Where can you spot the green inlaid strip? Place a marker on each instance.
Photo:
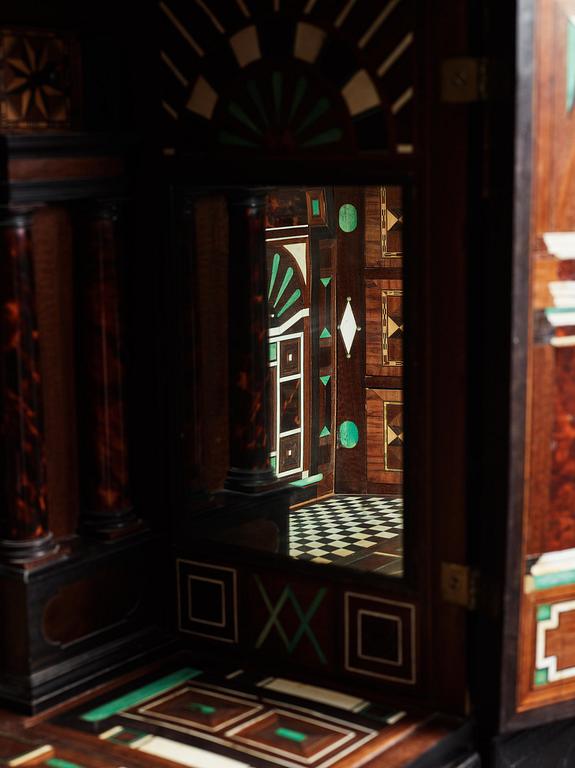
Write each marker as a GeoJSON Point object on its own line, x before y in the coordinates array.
{"type": "Point", "coordinates": [324, 379]}
{"type": "Point", "coordinates": [325, 334]}
{"type": "Point", "coordinates": [319, 109]}
{"type": "Point", "coordinates": [273, 462]}
{"type": "Point", "coordinates": [348, 434]}
{"type": "Point", "coordinates": [300, 90]}
{"type": "Point", "coordinates": [203, 709]}
{"type": "Point", "coordinates": [140, 694]}
{"type": "Point", "coordinates": [559, 310]}
{"type": "Point", "coordinates": [325, 432]}
{"type": "Point", "coordinates": [540, 677]}
{"type": "Point", "coordinates": [311, 480]}
{"type": "Point", "coordinates": [239, 113]}
{"type": "Point", "coordinates": [315, 210]}
{"type": "Point", "coordinates": [292, 300]}
{"type": "Point", "coordinates": [325, 280]}
{"type": "Point", "coordinates": [275, 267]}
{"type": "Point", "coordinates": [56, 762]}
{"type": "Point", "coordinates": [548, 580]}
{"type": "Point", "coordinates": [543, 612]}
{"type": "Point", "coordinates": [287, 733]}
{"type": "Point", "coordinates": [273, 351]}
{"type": "Point", "coordinates": [286, 281]}
{"type": "Point", "coordinates": [327, 137]}
{"type": "Point", "coordinates": [570, 64]}
{"type": "Point", "coordinates": [348, 217]}
{"type": "Point", "coordinates": [257, 99]}
{"type": "Point", "coordinates": [230, 138]}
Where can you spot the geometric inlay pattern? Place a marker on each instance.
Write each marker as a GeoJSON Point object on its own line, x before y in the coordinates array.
{"type": "Point", "coordinates": [554, 659]}
{"type": "Point", "coordinates": [380, 638]}
{"type": "Point", "coordinates": [34, 80]}
{"type": "Point", "coordinates": [393, 436]}
{"type": "Point", "coordinates": [392, 327]}
{"type": "Point", "coordinates": [348, 327]}
{"type": "Point", "coordinates": [344, 527]}
{"type": "Point", "coordinates": [207, 600]}
{"type": "Point", "coordinates": [274, 621]}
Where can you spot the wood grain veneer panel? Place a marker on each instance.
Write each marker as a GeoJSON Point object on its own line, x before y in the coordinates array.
{"type": "Point", "coordinates": [383, 327]}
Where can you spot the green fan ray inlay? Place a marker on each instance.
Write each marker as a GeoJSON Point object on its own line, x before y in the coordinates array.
{"type": "Point", "coordinates": [292, 300]}
{"type": "Point", "coordinates": [230, 138]}
{"type": "Point", "coordinates": [300, 89]}
{"type": "Point", "coordinates": [275, 267]}
{"type": "Point", "coordinates": [286, 281]}
{"type": "Point", "coordinates": [277, 86]}
{"type": "Point", "coordinates": [327, 137]}
{"type": "Point", "coordinates": [240, 115]}
{"type": "Point", "coordinates": [257, 99]}
{"type": "Point", "coordinates": [320, 108]}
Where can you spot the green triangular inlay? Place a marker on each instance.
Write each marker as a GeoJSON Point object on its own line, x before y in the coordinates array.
{"type": "Point", "coordinates": [325, 379]}
{"type": "Point", "coordinates": [325, 432]}
{"type": "Point", "coordinates": [325, 334]}
{"type": "Point", "coordinates": [326, 280]}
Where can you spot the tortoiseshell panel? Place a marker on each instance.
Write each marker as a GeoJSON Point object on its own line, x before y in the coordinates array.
{"type": "Point", "coordinates": [105, 485]}
{"type": "Point", "coordinates": [24, 508]}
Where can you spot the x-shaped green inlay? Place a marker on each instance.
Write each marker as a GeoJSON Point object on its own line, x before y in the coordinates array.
{"type": "Point", "coordinates": [305, 619]}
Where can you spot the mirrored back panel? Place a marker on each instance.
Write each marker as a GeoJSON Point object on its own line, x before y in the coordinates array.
{"type": "Point", "coordinates": [332, 288]}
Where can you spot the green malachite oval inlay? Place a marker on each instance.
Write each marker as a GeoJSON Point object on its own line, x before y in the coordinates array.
{"type": "Point", "coordinates": [348, 434]}
{"type": "Point", "coordinates": [348, 217]}
{"type": "Point", "coordinates": [287, 733]}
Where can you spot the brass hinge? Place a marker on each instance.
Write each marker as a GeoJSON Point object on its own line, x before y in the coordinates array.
{"type": "Point", "coordinates": [463, 80]}
{"type": "Point", "coordinates": [459, 585]}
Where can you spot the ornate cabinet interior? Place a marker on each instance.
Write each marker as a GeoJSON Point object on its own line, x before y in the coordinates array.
{"type": "Point", "coordinates": [276, 489]}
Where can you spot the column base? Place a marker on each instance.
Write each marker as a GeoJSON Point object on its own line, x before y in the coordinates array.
{"type": "Point", "coordinates": [24, 551]}
{"type": "Point", "coordinates": [251, 481]}
{"type": "Point", "coordinates": [111, 527]}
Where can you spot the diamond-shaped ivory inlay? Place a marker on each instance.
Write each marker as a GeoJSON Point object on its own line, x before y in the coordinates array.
{"type": "Point", "coordinates": [348, 327]}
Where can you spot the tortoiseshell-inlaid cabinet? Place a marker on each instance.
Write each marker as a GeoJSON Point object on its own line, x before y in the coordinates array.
{"type": "Point", "coordinates": [287, 441]}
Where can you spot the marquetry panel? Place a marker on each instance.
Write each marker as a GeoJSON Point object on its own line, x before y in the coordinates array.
{"type": "Point", "coordinates": [384, 327]}
{"type": "Point", "coordinates": [326, 365]}
{"type": "Point", "coordinates": [384, 410]}
{"type": "Point", "coordinates": [38, 79]}
{"type": "Point", "coordinates": [207, 600]}
{"type": "Point", "coordinates": [380, 638]}
{"type": "Point", "coordinates": [547, 656]}
{"type": "Point", "coordinates": [291, 618]}
{"type": "Point", "coordinates": [383, 226]}
{"type": "Point", "coordinates": [342, 77]}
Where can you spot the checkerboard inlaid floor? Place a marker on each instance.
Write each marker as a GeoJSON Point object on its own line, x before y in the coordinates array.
{"type": "Point", "coordinates": [346, 529]}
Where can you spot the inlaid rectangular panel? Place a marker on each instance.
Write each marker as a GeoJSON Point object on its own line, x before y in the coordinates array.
{"type": "Point", "coordinates": [384, 327]}
{"type": "Point", "coordinates": [290, 357]}
{"type": "Point", "coordinates": [380, 638]}
{"type": "Point", "coordinates": [547, 657]}
{"type": "Point", "coordinates": [383, 226]}
{"type": "Point", "coordinates": [289, 456]}
{"type": "Point", "coordinates": [207, 600]}
{"type": "Point", "coordinates": [38, 79]}
{"type": "Point", "coordinates": [316, 207]}
{"type": "Point", "coordinates": [290, 405]}
{"type": "Point", "coordinates": [384, 410]}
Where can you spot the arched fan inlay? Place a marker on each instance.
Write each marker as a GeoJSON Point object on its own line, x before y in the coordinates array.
{"type": "Point", "coordinates": [289, 77]}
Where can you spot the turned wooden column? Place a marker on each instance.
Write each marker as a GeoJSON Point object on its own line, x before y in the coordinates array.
{"type": "Point", "coordinates": [105, 487]}
{"type": "Point", "coordinates": [24, 533]}
{"type": "Point", "coordinates": [250, 469]}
